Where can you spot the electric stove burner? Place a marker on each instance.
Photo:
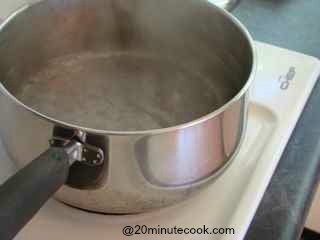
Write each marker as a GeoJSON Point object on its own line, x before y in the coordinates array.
{"type": "Point", "coordinates": [282, 86]}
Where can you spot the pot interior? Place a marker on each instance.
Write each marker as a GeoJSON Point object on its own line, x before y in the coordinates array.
{"type": "Point", "coordinates": [124, 65]}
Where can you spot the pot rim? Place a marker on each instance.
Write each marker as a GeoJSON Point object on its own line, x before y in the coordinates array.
{"type": "Point", "coordinates": [192, 123]}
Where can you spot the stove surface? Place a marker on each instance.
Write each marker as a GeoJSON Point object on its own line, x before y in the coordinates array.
{"type": "Point", "coordinates": [282, 86]}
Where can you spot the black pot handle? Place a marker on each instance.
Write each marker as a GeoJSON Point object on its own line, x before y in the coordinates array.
{"type": "Point", "coordinates": [22, 196]}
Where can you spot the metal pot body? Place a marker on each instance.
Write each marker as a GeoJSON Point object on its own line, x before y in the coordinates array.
{"type": "Point", "coordinates": [143, 170]}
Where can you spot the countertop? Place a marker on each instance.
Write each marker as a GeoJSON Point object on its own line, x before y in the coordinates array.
{"type": "Point", "coordinates": [292, 24]}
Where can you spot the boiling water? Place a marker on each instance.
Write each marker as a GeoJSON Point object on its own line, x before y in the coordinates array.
{"type": "Point", "coordinates": [121, 91]}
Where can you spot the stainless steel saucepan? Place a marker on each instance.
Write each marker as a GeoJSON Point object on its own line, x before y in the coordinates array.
{"type": "Point", "coordinates": [134, 104]}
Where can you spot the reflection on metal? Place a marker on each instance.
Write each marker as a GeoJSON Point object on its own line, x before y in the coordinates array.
{"type": "Point", "coordinates": [226, 4]}
{"type": "Point", "coordinates": [75, 144]}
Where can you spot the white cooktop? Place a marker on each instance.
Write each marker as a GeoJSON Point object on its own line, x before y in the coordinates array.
{"type": "Point", "coordinates": [282, 86]}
